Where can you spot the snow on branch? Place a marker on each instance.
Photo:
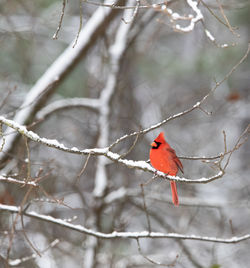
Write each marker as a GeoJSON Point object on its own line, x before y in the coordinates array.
{"type": "Point", "coordinates": [174, 16]}
{"type": "Point", "coordinates": [15, 181]}
{"type": "Point", "coordinates": [194, 19]}
{"type": "Point", "coordinates": [162, 7]}
{"type": "Point", "coordinates": [15, 262]}
{"type": "Point", "coordinates": [122, 235]}
{"type": "Point", "coordinates": [115, 6]}
{"type": "Point", "coordinates": [67, 103]}
{"type": "Point", "coordinates": [143, 165]}
{"type": "Point", "coordinates": [197, 105]}
{"type": "Point", "coordinates": [60, 68]}
{"type": "Point", "coordinates": [106, 151]}
{"type": "Point", "coordinates": [116, 52]}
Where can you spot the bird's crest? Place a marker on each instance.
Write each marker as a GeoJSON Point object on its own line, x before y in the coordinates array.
{"type": "Point", "coordinates": [160, 138]}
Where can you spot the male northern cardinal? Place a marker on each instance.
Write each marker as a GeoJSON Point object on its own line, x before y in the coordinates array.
{"type": "Point", "coordinates": [163, 158]}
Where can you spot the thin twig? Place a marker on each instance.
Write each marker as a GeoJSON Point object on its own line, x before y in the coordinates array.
{"type": "Point", "coordinates": [226, 19]}
{"type": "Point", "coordinates": [134, 13]}
{"type": "Point", "coordinates": [33, 256]}
{"type": "Point", "coordinates": [27, 239]}
{"type": "Point", "coordinates": [237, 145]}
{"type": "Point", "coordinates": [19, 212]}
{"type": "Point", "coordinates": [113, 6]}
{"type": "Point", "coordinates": [10, 91]}
{"type": "Point", "coordinates": [195, 106]}
{"type": "Point", "coordinates": [152, 261]}
{"type": "Point", "coordinates": [162, 221]}
{"type": "Point", "coordinates": [27, 160]}
{"type": "Point", "coordinates": [205, 111]}
{"type": "Point", "coordinates": [213, 14]}
{"type": "Point", "coordinates": [145, 209]}
{"type": "Point", "coordinates": [80, 24]}
{"type": "Point", "coordinates": [131, 148]}
{"type": "Point", "coordinates": [57, 201]}
{"type": "Point", "coordinates": [83, 168]}
{"type": "Point", "coordinates": [212, 38]}
{"type": "Point", "coordinates": [55, 36]}
{"type": "Point", "coordinates": [3, 138]}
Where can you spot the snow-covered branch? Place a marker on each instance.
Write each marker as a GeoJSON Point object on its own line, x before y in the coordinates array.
{"type": "Point", "coordinates": [116, 52]}
{"type": "Point", "coordinates": [194, 19]}
{"type": "Point", "coordinates": [143, 165]}
{"type": "Point", "coordinates": [15, 181]}
{"type": "Point", "coordinates": [197, 105]}
{"type": "Point", "coordinates": [45, 86]}
{"type": "Point", "coordinates": [122, 235]}
{"type": "Point", "coordinates": [68, 103]}
{"type": "Point", "coordinates": [15, 262]}
{"type": "Point", "coordinates": [122, 7]}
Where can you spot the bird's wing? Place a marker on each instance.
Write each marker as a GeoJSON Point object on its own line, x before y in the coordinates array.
{"type": "Point", "coordinates": [176, 159]}
{"type": "Point", "coordinates": [179, 164]}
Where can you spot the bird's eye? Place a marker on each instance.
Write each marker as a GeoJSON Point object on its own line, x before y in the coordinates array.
{"type": "Point", "coordinates": [157, 144]}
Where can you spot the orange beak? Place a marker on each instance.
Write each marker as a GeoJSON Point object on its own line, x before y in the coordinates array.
{"type": "Point", "coordinates": [153, 144]}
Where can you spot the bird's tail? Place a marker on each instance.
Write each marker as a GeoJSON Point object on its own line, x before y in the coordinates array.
{"type": "Point", "coordinates": [174, 193]}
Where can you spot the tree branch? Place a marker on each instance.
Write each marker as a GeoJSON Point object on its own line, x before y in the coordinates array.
{"type": "Point", "coordinates": [102, 151]}
{"type": "Point", "coordinates": [46, 85]}
{"type": "Point", "coordinates": [123, 235]}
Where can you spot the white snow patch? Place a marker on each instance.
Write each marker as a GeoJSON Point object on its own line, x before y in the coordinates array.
{"type": "Point", "coordinates": [209, 35]}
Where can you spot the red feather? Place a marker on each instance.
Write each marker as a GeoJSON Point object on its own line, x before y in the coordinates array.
{"type": "Point", "coordinates": [164, 158]}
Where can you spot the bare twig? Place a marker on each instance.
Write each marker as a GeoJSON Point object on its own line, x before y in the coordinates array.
{"type": "Point", "coordinates": [33, 256]}
{"type": "Point", "coordinates": [83, 168]}
{"type": "Point", "coordinates": [213, 14]}
{"type": "Point", "coordinates": [3, 138]}
{"type": "Point", "coordinates": [226, 19]}
{"type": "Point", "coordinates": [134, 13]}
{"type": "Point", "coordinates": [205, 111]}
{"type": "Point", "coordinates": [145, 208]}
{"type": "Point", "coordinates": [162, 221]}
{"type": "Point", "coordinates": [55, 36]}
{"type": "Point", "coordinates": [57, 201]}
{"type": "Point", "coordinates": [212, 39]}
{"type": "Point", "coordinates": [238, 144]}
{"type": "Point", "coordinates": [80, 23]}
{"type": "Point", "coordinates": [19, 212]}
{"type": "Point", "coordinates": [225, 141]}
{"type": "Point", "coordinates": [10, 91]}
{"type": "Point", "coordinates": [27, 160]}
{"type": "Point", "coordinates": [131, 148]}
{"type": "Point", "coordinates": [27, 238]}
{"type": "Point", "coordinates": [114, 6]}
{"type": "Point", "coordinates": [153, 261]}
{"type": "Point", "coordinates": [195, 106]}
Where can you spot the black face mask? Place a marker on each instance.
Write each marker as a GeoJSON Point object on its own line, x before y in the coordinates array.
{"type": "Point", "coordinates": [157, 145]}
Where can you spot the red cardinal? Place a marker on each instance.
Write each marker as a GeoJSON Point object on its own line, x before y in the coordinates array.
{"type": "Point", "coordinates": [163, 158]}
